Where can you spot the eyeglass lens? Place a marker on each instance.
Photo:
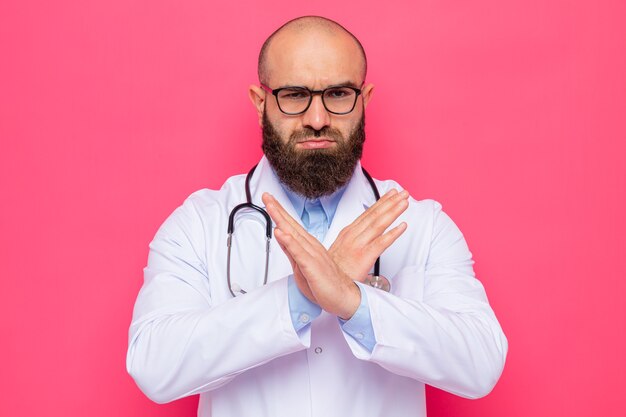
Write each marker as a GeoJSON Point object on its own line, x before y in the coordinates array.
{"type": "Point", "coordinates": [335, 99]}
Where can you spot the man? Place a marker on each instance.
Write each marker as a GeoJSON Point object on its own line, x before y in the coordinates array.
{"type": "Point", "coordinates": [317, 339]}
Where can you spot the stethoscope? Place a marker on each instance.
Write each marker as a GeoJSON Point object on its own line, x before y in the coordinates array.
{"type": "Point", "coordinates": [375, 280]}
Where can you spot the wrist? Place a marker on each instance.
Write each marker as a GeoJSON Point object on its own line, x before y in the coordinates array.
{"type": "Point", "coordinates": [352, 302]}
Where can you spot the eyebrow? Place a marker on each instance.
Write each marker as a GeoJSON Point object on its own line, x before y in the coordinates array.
{"type": "Point", "coordinates": [341, 84]}
{"type": "Point", "coordinates": [347, 84]}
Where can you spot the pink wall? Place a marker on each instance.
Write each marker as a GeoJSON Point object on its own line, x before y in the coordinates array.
{"type": "Point", "coordinates": [510, 113]}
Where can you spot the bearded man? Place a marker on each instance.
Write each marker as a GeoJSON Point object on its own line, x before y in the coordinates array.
{"type": "Point", "coordinates": [305, 323]}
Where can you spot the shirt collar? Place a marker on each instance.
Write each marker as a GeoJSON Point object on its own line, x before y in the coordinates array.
{"type": "Point", "coordinates": [329, 202]}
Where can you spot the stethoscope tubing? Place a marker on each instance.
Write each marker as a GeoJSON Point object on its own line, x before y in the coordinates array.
{"type": "Point", "coordinates": [268, 229]}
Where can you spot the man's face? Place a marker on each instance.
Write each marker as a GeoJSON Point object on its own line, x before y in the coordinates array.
{"type": "Point", "coordinates": [313, 172]}
{"type": "Point", "coordinates": [313, 153]}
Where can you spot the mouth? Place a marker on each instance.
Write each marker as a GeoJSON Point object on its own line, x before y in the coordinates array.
{"type": "Point", "coordinates": [316, 143]}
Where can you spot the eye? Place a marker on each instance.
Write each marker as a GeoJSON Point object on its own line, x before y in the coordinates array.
{"type": "Point", "coordinates": [339, 93]}
{"type": "Point", "coordinates": [293, 94]}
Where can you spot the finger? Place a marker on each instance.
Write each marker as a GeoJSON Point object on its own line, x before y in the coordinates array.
{"type": "Point", "coordinates": [376, 226]}
{"type": "Point", "coordinates": [354, 230]}
{"type": "Point", "coordinates": [379, 218]}
{"type": "Point", "coordinates": [286, 252]}
{"type": "Point", "coordinates": [280, 216]}
{"type": "Point", "coordinates": [293, 263]}
{"type": "Point", "coordinates": [284, 220]}
{"type": "Point", "coordinates": [303, 285]}
{"type": "Point", "coordinates": [380, 244]}
{"type": "Point", "coordinates": [389, 194]}
{"type": "Point", "coordinates": [387, 201]}
{"type": "Point", "coordinates": [299, 278]}
{"type": "Point", "coordinates": [293, 248]}
{"type": "Point", "coordinates": [313, 267]}
{"type": "Point", "coordinates": [271, 202]}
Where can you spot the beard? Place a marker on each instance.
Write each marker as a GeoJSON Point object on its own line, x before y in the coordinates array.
{"type": "Point", "coordinates": [313, 173]}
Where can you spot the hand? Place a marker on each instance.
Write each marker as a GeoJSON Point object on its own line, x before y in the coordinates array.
{"type": "Point", "coordinates": [303, 286]}
{"type": "Point", "coordinates": [359, 244]}
{"type": "Point", "coordinates": [301, 282]}
{"type": "Point", "coordinates": [326, 284]}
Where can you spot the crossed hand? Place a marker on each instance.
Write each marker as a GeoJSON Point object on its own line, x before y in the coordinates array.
{"type": "Point", "coordinates": [326, 277]}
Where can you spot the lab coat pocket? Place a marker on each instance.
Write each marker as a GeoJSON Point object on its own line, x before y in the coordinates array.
{"type": "Point", "coordinates": [409, 283]}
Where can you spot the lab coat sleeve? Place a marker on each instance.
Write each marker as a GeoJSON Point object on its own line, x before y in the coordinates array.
{"type": "Point", "coordinates": [301, 309]}
{"type": "Point", "coordinates": [179, 342]}
{"type": "Point", "coordinates": [437, 326]}
{"type": "Point", "coordinates": [360, 324]}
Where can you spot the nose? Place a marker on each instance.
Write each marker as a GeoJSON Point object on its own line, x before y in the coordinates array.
{"type": "Point", "coordinates": [316, 117]}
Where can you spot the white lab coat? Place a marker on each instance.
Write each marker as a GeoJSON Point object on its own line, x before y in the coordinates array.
{"type": "Point", "coordinates": [189, 335]}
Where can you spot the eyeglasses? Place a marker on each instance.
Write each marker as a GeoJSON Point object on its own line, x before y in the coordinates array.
{"type": "Point", "coordinates": [297, 100]}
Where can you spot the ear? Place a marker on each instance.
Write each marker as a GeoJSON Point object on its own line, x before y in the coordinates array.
{"type": "Point", "coordinates": [367, 91]}
{"type": "Point", "coordinates": [257, 97]}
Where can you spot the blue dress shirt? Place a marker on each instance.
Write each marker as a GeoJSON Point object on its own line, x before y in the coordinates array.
{"type": "Point", "coordinates": [316, 216]}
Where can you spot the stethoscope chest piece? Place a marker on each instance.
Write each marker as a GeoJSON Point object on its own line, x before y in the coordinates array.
{"type": "Point", "coordinates": [379, 282]}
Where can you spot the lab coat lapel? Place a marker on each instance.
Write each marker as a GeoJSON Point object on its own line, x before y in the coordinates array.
{"type": "Point", "coordinates": [357, 198]}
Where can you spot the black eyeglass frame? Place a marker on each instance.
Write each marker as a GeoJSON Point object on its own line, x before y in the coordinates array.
{"type": "Point", "coordinates": [312, 93]}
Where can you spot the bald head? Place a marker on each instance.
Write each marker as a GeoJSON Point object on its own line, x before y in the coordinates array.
{"type": "Point", "coordinates": [308, 28]}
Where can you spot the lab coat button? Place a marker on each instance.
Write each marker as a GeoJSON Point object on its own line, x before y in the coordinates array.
{"type": "Point", "coordinates": [304, 318]}
{"type": "Point", "coordinates": [318, 350]}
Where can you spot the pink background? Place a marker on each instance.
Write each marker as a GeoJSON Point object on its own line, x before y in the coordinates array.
{"type": "Point", "coordinates": [510, 113]}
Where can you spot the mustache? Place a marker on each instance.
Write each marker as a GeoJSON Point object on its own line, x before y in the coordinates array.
{"type": "Point", "coordinates": [310, 133]}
